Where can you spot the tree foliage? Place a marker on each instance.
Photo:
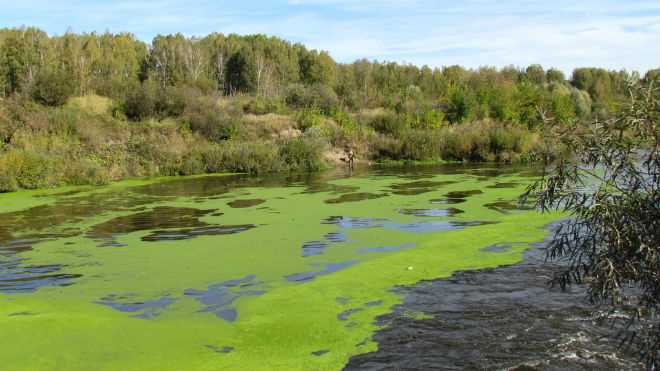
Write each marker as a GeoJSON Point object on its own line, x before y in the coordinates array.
{"type": "Point", "coordinates": [609, 184]}
{"type": "Point", "coordinates": [113, 64]}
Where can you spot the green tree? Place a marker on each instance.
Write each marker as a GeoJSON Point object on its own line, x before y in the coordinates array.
{"type": "Point", "coordinates": [461, 106]}
{"type": "Point", "coordinates": [317, 68]}
{"type": "Point", "coordinates": [239, 76]}
{"type": "Point", "coordinates": [555, 75]}
{"type": "Point", "coordinates": [53, 87]}
{"type": "Point", "coordinates": [535, 74]}
{"type": "Point", "coordinates": [608, 183]}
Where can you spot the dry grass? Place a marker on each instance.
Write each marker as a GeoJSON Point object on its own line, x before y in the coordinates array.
{"type": "Point", "coordinates": [92, 104]}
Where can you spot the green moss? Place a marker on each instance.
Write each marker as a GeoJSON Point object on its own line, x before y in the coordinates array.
{"type": "Point", "coordinates": [282, 325]}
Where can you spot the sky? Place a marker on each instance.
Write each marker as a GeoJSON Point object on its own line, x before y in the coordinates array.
{"type": "Point", "coordinates": [564, 34]}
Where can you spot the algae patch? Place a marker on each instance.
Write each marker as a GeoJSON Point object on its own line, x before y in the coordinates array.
{"type": "Point", "coordinates": [173, 275]}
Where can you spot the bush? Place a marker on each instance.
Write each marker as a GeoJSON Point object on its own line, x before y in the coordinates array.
{"type": "Point", "coordinates": [52, 87]}
{"type": "Point", "coordinates": [421, 145]}
{"type": "Point", "coordinates": [29, 170]}
{"type": "Point", "coordinates": [91, 103]}
{"type": "Point", "coordinates": [388, 122]}
{"type": "Point", "coordinates": [386, 148]}
{"type": "Point", "coordinates": [296, 96]}
{"type": "Point", "coordinates": [193, 163]}
{"type": "Point", "coordinates": [8, 183]}
{"type": "Point", "coordinates": [7, 126]}
{"type": "Point", "coordinates": [304, 154]}
{"type": "Point", "coordinates": [317, 96]}
{"type": "Point", "coordinates": [205, 117]}
{"type": "Point", "coordinates": [86, 171]}
{"type": "Point", "coordinates": [263, 106]}
{"type": "Point", "coordinates": [308, 118]}
{"type": "Point", "coordinates": [172, 101]}
{"type": "Point", "coordinates": [139, 102]}
{"type": "Point", "coordinates": [243, 157]}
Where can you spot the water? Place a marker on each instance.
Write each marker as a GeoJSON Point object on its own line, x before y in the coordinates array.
{"type": "Point", "coordinates": [238, 272]}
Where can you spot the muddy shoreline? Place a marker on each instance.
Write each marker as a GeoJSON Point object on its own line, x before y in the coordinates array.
{"type": "Point", "coordinates": [507, 318]}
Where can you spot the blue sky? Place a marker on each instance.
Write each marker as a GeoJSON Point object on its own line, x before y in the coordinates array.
{"type": "Point", "coordinates": [622, 34]}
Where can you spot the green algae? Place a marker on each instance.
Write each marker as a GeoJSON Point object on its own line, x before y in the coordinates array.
{"type": "Point", "coordinates": [270, 322]}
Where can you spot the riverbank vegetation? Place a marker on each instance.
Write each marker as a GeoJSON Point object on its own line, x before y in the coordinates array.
{"type": "Point", "coordinates": [609, 183]}
{"type": "Point", "coordinates": [92, 108]}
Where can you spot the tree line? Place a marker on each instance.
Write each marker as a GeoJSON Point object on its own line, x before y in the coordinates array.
{"type": "Point", "coordinates": [50, 70]}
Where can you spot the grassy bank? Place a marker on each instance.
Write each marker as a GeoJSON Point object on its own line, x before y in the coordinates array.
{"type": "Point", "coordinates": [92, 108]}
{"type": "Point", "coordinates": [89, 140]}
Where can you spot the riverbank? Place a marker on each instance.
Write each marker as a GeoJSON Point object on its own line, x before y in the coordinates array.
{"type": "Point", "coordinates": [505, 318]}
{"type": "Point", "coordinates": [88, 142]}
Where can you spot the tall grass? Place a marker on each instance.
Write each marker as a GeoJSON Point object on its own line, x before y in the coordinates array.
{"type": "Point", "coordinates": [86, 142]}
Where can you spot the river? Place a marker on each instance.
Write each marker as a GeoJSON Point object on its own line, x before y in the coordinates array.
{"type": "Point", "coordinates": [232, 272]}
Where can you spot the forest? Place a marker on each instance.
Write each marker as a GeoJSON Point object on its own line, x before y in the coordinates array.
{"type": "Point", "coordinates": [96, 107]}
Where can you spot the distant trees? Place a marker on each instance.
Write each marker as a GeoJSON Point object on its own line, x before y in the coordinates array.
{"type": "Point", "coordinates": [50, 69]}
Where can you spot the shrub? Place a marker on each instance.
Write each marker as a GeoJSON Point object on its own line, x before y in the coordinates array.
{"type": "Point", "coordinates": [243, 157]}
{"type": "Point", "coordinates": [296, 96]}
{"type": "Point", "coordinates": [139, 101]}
{"type": "Point", "coordinates": [316, 96]}
{"type": "Point", "coordinates": [86, 171]}
{"type": "Point", "coordinates": [7, 126]}
{"type": "Point", "coordinates": [388, 122]}
{"type": "Point", "coordinates": [263, 106]}
{"type": "Point", "coordinates": [386, 148]}
{"type": "Point", "coordinates": [420, 145]}
{"type": "Point", "coordinates": [8, 183]}
{"type": "Point", "coordinates": [205, 116]}
{"type": "Point", "coordinates": [172, 101]}
{"type": "Point", "coordinates": [52, 87]}
{"type": "Point", "coordinates": [308, 117]}
{"type": "Point", "coordinates": [193, 163]}
{"type": "Point", "coordinates": [323, 97]}
{"type": "Point", "coordinates": [304, 154]}
{"type": "Point", "coordinates": [30, 170]}
{"type": "Point", "coordinates": [91, 103]}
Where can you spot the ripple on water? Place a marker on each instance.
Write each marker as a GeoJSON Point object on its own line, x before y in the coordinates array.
{"type": "Point", "coordinates": [15, 278]}
{"type": "Point", "coordinates": [18, 277]}
{"type": "Point", "coordinates": [431, 212]}
{"type": "Point", "coordinates": [447, 201]}
{"type": "Point", "coordinates": [424, 226]}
